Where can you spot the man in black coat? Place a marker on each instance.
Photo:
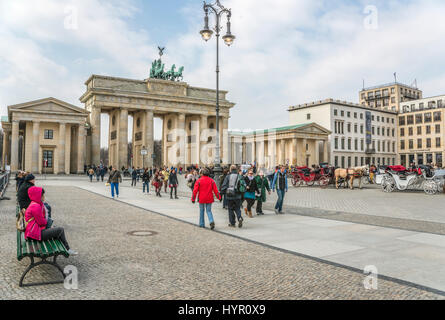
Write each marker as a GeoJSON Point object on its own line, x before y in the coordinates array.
{"type": "Point", "coordinates": [22, 194]}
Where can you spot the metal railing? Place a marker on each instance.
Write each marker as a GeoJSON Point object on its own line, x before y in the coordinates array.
{"type": "Point", "coordinates": [4, 181]}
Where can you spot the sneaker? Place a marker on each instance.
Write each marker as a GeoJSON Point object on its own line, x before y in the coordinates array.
{"type": "Point", "coordinates": [240, 223]}
{"type": "Point", "coordinates": [231, 225]}
{"type": "Point", "coordinates": [276, 211]}
{"type": "Point", "coordinates": [281, 212]}
{"type": "Point", "coordinates": [72, 252]}
{"type": "Point", "coordinates": [212, 225]}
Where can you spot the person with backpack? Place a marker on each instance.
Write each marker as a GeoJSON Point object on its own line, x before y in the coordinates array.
{"type": "Point", "coordinates": [280, 184]}
{"type": "Point", "coordinates": [234, 186]}
{"type": "Point", "coordinates": [114, 179]}
{"type": "Point", "coordinates": [91, 174]}
{"type": "Point", "coordinates": [204, 189]}
{"type": "Point", "coordinates": [22, 195]}
{"type": "Point", "coordinates": [263, 185]}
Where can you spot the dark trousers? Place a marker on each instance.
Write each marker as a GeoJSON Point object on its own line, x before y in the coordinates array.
{"type": "Point", "coordinates": [171, 192]}
{"type": "Point", "coordinates": [234, 206]}
{"type": "Point", "coordinates": [259, 206]}
{"type": "Point", "coordinates": [250, 203]}
{"type": "Point", "coordinates": [133, 182]}
{"type": "Point", "coordinates": [55, 233]}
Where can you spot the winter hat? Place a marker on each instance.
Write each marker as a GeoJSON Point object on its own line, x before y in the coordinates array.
{"type": "Point", "coordinates": [30, 177]}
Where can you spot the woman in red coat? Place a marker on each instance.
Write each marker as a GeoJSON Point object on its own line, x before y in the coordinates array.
{"type": "Point", "coordinates": [204, 189]}
{"type": "Point", "coordinates": [35, 217]}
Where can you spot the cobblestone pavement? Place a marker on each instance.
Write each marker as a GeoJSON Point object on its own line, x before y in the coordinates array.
{"type": "Point", "coordinates": [180, 262]}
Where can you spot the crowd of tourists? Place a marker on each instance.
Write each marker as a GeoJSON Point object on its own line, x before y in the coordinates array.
{"type": "Point", "coordinates": [35, 214]}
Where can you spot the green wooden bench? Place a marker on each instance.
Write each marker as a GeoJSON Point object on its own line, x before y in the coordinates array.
{"type": "Point", "coordinates": [43, 250]}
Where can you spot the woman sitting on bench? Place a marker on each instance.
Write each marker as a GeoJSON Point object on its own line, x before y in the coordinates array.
{"type": "Point", "coordinates": [36, 224]}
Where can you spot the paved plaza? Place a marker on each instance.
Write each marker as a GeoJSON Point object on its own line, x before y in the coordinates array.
{"type": "Point", "coordinates": [293, 256]}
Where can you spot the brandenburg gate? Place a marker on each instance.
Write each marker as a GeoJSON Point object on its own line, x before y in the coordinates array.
{"type": "Point", "coordinates": [188, 113]}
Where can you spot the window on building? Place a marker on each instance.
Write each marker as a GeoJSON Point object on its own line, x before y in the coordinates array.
{"type": "Point", "coordinates": [428, 142]}
{"type": "Point", "coordinates": [349, 144]}
{"type": "Point", "coordinates": [383, 146]}
{"type": "Point", "coordinates": [402, 144]}
{"type": "Point", "coordinates": [438, 143]}
{"type": "Point", "coordinates": [419, 143]}
{"type": "Point", "coordinates": [428, 129]}
{"type": "Point", "coordinates": [437, 128]}
{"type": "Point", "coordinates": [378, 131]}
{"type": "Point", "coordinates": [402, 132]}
{"type": "Point", "coordinates": [427, 117]}
{"type": "Point", "coordinates": [410, 120]}
{"type": "Point", "coordinates": [349, 162]}
{"type": "Point", "coordinates": [419, 130]}
{"type": "Point", "coordinates": [421, 106]}
{"type": "Point", "coordinates": [342, 113]}
{"type": "Point", "coordinates": [308, 116]}
{"type": "Point", "coordinates": [439, 103]}
{"type": "Point", "coordinates": [362, 145]}
{"type": "Point", "coordinates": [336, 161]}
{"type": "Point", "coordinates": [410, 131]}
{"type": "Point", "coordinates": [393, 147]}
{"type": "Point", "coordinates": [355, 115]}
{"type": "Point", "coordinates": [349, 128]}
{"type": "Point", "coordinates": [355, 128]}
{"type": "Point", "coordinates": [393, 90]}
{"type": "Point", "coordinates": [356, 144]}
{"type": "Point", "coordinates": [336, 143]}
{"type": "Point", "coordinates": [373, 130]}
{"type": "Point", "coordinates": [49, 134]}
{"type": "Point", "coordinates": [378, 118]}
{"type": "Point", "coordinates": [361, 116]}
{"type": "Point", "coordinates": [378, 146]}
{"type": "Point", "coordinates": [349, 114]}
{"type": "Point", "coordinates": [343, 144]}
{"type": "Point", "coordinates": [419, 118]}
{"type": "Point", "coordinates": [402, 121]}
{"type": "Point", "coordinates": [393, 132]}
{"type": "Point", "coordinates": [361, 129]}
{"type": "Point", "coordinates": [335, 112]}
{"type": "Point", "coordinates": [411, 144]}
{"type": "Point", "coordinates": [437, 116]}
{"type": "Point", "coordinates": [356, 161]}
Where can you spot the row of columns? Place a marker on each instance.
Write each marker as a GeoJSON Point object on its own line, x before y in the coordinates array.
{"type": "Point", "coordinates": [279, 156]}
{"type": "Point", "coordinates": [35, 147]}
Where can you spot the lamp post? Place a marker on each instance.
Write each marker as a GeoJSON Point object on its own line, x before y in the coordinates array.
{"type": "Point", "coordinates": [219, 11]}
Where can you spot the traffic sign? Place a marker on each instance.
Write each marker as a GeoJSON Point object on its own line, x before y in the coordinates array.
{"type": "Point", "coordinates": [144, 152]}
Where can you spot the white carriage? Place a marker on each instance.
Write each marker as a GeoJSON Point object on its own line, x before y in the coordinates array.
{"type": "Point", "coordinates": [421, 179]}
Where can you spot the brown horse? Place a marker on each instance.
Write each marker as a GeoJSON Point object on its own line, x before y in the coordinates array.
{"type": "Point", "coordinates": [350, 174]}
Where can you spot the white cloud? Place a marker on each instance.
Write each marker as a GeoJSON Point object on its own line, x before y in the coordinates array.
{"type": "Point", "coordinates": [286, 52]}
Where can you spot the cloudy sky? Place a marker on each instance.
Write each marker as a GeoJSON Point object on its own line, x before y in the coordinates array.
{"type": "Point", "coordinates": [286, 52]}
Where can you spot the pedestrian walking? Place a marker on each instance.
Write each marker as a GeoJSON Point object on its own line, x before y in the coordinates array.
{"type": "Point", "coordinates": [280, 184]}
{"type": "Point", "coordinates": [204, 189]}
{"type": "Point", "coordinates": [165, 175]}
{"type": "Point", "coordinates": [234, 187]}
{"type": "Point", "coordinates": [134, 176]}
{"type": "Point", "coordinates": [91, 174]}
{"type": "Point", "coordinates": [251, 192]}
{"type": "Point", "coordinates": [146, 181]}
{"type": "Point", "coordinates": [173, 183]}
{"type": "Point", "coordinates": [114, 179]}
{"type": "Point", "coordinates": [263, 185]}
{"type": "Point", "coordinates": [157, 183]}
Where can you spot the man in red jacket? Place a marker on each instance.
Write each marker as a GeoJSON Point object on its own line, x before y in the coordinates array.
{"type": "Point", "coordinates": [204, 189]}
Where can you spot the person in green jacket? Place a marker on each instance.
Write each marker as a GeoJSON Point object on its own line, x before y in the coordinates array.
{"type": "Point", "coordinates": [263, 185]}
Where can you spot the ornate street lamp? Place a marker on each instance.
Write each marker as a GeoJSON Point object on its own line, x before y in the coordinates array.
{"type": "Point", "coordinates": [219, 10]}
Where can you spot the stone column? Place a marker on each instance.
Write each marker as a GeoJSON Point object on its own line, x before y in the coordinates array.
{"type": "Point", "coordinates": [5, 149]}
{"type": "Point", "coordinates": [317, 152]}
{"type": "Point", "coordinates": [95, 135]}
{"type": "Point", "coordinates": [304, 152]}
{"type": "Point", "coordinates": [15, 146]}
{"type": "Point", "coordinates": [164, 141]}
{"type": "Point", "coordinates": [225, 143]}
{"type": "Point", "coordinates": [253, 150]}
{"type": "Point", "coordinates": [325, 151]}
{"type": "Point", "coordinates": [182, 140]}
{"type": "Point", "coordinates": [149, 140]}
{"type": "Point", "coordinates": [81, 148]}
{"type": "Point", "coordinates": [61, 148]}
{"type": "Point", "coordinates": [35, 146]}
{"type": "Point", "coordinates": [261, 153]}
{"type": "Point", "coordinates": [123, 139]}
{"type": "Point", "coordinates": [294, 151]}
{"type": "Point", "coordinates": [282, 152]}
{"type": "Point", "coordinates": [203, 125]}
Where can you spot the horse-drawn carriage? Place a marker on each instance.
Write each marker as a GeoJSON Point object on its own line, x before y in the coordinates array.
{"type": "Point", "coordinates": [307, 176]}
{"type": "Point", "coordinates": [421, 178]}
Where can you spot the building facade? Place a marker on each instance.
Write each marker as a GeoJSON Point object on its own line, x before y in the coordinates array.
{"type": "Point", "coordinates": [388, 96]}
{"type": "Point", "coordinates": [360, 135]}
{"type": "Point", "coordinates": [52, 136]}
{"type": "Point", "coordinates": [422, 131]}
{"type": "Point", "coordinates": [298, 145]}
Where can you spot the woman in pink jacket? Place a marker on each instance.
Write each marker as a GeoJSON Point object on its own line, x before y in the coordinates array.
{"type": "Point", "coordinates": [36, 221]}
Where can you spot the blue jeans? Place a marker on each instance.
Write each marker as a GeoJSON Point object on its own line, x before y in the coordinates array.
{"type": "Point", "coordinates": [205, 207]}
{"type": "Point", "coordinates": [146, 184]}
{"type": "Point", "coordinates": [114, 186]}
{"type": "Point", "coordinates": [279, 204]}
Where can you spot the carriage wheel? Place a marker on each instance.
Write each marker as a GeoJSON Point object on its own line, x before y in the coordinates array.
{"type": "Point", "coordinates": [388, 185]}
{"type": "Point", "coordinates": [323, 182]}
{"type": "Point", "coordinates": [296, 181]}
{"type": "Point", "coordinates": [430, 187]}
{"type": "Point", "coordinates": [310, 183]}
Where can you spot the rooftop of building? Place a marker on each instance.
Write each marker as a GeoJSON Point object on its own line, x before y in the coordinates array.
{"type": "Point", "coordinates": [386, 85]}
{"type": "Point", "coordinates": [337, 102]}
{"type": "Point", "coordinates": [293, 127]}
